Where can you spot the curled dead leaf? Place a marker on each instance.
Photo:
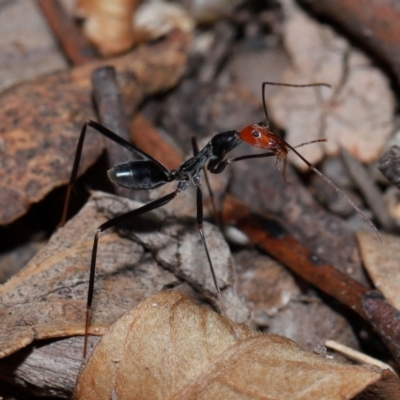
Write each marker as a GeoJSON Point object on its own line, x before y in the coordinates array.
{"type": "Point", "coordinates": [114, 27]}
{"type": "Point", "coordinates": [357, 113]}
{"type": "Point", "coordinates": [169, 348]}
{"type": "Point", "coordinates": [158, 18]}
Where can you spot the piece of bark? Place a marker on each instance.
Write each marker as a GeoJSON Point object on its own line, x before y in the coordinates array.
{"type": "Point", "coordinates": [60, 359]}
{"type": "Point", "coordinates": [41, 120]}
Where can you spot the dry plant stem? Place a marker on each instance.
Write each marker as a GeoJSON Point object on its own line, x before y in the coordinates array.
{"type": "Point", "coordinates": [371, 22]}
{"type": "Point", "coordinates": [367, 187]}
{"type": "Point", "coordinates": [109, 109]}
{"type": "Point", "coordinates": [271, 237]}
{"type": "Point", "coordinates": [76, 48]}
{"type": "Point", "coordinates": [145, 136]}
{"type": "Point", "coordinates": [356, 355]}
{"type": "Point", "coordinates": [385, 319]}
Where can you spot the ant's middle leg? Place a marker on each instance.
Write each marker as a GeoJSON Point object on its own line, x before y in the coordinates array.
{"type": "Point", "coordinates": [210, 191]}
{"type": "Point", "coordinates": [199, 204]}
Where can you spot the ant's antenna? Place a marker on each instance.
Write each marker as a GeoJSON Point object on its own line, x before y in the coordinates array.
{"type": "Point", "coordinates": [330, 183]}
{"type": "Point", "coordinates": [283, 84]}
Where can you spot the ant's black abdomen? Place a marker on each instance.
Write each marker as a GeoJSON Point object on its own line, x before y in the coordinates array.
{"type": "Point", "coordinates": [141, 174]}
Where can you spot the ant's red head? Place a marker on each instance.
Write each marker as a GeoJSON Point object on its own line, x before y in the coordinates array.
{"type": "Point", "coordinates": [264, 138]}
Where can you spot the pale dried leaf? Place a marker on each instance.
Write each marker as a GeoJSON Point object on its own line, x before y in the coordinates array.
{"type": "Point", "coordinates": [108, 24]}
{"type": "Point", "coordinates": [357, 113]}
{"type": "Point", "coordinates": [157, 18]}
{"type": "Point", "coordinates": [382, 264]}
{"type": "Point", "coordinates": [114, 27]}
{"type": "Point", "coordinates": [168, 348]}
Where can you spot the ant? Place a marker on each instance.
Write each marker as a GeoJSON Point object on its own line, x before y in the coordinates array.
{"type": "Point", "coordinates": [148, 173]}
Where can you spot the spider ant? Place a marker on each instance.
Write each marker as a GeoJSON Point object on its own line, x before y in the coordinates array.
{"type": "Point", "coordinates": [148, 173]}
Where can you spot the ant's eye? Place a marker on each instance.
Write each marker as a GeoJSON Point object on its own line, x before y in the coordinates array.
{"type": "Point", "coordinates": [256, 134]}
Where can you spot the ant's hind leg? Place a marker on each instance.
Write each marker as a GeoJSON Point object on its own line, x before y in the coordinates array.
{"type": "Point", "coordinates": [109, 224]}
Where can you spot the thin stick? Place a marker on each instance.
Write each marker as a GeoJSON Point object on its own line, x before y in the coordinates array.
{"type": "Point", "coordinates": [357, 355]}
{"type": "Point", "coordinates": [75, 46]}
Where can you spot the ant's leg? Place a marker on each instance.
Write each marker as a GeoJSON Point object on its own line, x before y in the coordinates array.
{"type": "Point", "coordinates": [110, 135]}
{"type": "Point", "coordinates": [211, 194]}
{"type": "Point", "coordinates": [222, 165]}
{"type": "Point", "coordinates": [199, 197]}
{"type": "Point", "coordinates": [74, 173]}
{"type": "Point", "coordinates": [113, 222]}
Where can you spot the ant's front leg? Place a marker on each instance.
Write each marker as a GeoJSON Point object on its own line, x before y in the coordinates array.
{"type": "Point", "coordinates": [217, 166]}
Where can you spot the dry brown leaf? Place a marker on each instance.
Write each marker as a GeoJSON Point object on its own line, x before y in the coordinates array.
{"type": "Point", "coordinates": [382, 264]}
{"type": "Point", "coordinates": [48, 297]}
{"type": "Point", "coordinates": [357, 113]}
{"type": "Point", "coordinates": [108, 24]}
{"type": "Point", "coordinates": [41, 121]}
{"type": "Point", "coordinates": [168, 348]}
